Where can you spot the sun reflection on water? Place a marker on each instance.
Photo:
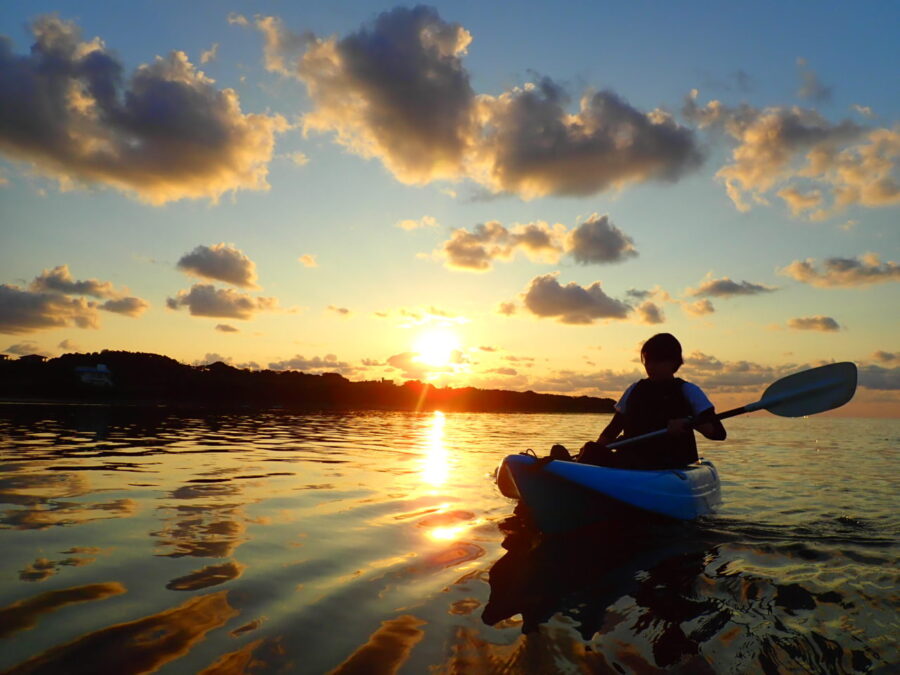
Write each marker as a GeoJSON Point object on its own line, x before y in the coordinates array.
{"type": "Point", "coordinates": [434, 464]}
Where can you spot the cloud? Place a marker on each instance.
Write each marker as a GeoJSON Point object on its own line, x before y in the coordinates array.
{"type": "Point", "coordinates": [220, 262]}
{"type": "Point", "coordinates": [810, 86]}
{"type": "Point", "coordinates": [801, 154]}
{"type": "Point", "coordinates": [46, 304]}
{"type": "Point", "coordinates": [327, 364]}
{"type": "Point", "coordinates": [533, 146]}
{"type": "Point", "coordinates": [308, 260]}
{"type": "Point", "coordinates": [800, 202]}
{"type": "Point", "coordinates": [650, 313]}
{"type": "Point", "coordinates": [506, 308]}
{"type": "Point", "coordinates": [164, 134]}
{"type": "Point", "coordinates": [821, 323]}
{"type": "Point", "coordinates": [713, 374]}
{"type": "Point", "coordinates": [130, 306]}
{"type": "Point", "coordinates": [863, 110]}
{"type": "Point", "coordinates": [225, 303]}
{"type": "Point", "coordinates": [571, 304]}
{"type": "Point", "coordinates": [867, 269]}
{"type": "Point", "coordinates": [603, 381]}
{"type": "Point", "coordinates": [477, 250]}
{"type": "Point", "coordinates": [698, 308]}
{"type": "Point", "coordinates": [299, 158]}
{"type": "Point", "coordinates": [343, 311]}
{"type": "Point", "coordinates": [23, 311]}
{"type": "Point", "coordinates": [424, 221]}
{"type": "Point", "coordinates": [726, 288]}
{"type": "Point", "coordinates": [68, 346]}
{"type": "Point", "coordinates": [597, 240]}
{"type": "Point", "coordinates": [26, 348]}
{"type": "Point", "coordinates": [877, 377]}
{"type": "Point", "coordinates": [225, 328]}
{"type": "Point", "coordinates": [60, 280]}
{"type": "Point", "coordinates": [886, 357]}
{"type": "Point", "coordinates": [236, 19]}
{"type": "Point", "coordinates": [210, 54]}
{"type": "Point", "coordinates": [411, 368]}
{"type": "Point", "coordinates": [397, 90]}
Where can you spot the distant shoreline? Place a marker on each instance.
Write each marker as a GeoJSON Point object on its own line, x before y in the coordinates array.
{"type": "Point", "coordinates": [129, 379]}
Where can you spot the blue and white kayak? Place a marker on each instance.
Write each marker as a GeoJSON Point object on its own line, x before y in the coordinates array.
{"type": "Point", "coordinates": [562, 495]}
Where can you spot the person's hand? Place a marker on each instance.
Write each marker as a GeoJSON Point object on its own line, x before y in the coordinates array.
{"type": "Point", "coordinates": [678, 427]}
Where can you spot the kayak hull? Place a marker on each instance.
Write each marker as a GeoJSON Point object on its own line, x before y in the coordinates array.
{"type": "Point", "coordinates": [563, 495]}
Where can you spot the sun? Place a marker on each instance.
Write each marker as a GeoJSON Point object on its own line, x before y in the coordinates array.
{"type": "Point", "coordinates": [436, 347]}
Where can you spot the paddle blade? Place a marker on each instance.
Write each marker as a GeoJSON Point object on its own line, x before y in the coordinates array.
{"type": "Point", "coordinates": [811, 391]}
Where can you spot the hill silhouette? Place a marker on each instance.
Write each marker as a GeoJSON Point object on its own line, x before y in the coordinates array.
{"type": "Point", "coordinates": [141, 378]}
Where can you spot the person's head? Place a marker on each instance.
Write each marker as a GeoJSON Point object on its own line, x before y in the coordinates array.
{"type": "Point", "coordinates": [661, 355]}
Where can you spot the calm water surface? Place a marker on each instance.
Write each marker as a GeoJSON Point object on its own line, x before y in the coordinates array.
{"type": "Point", "coordinates": [136, 541]}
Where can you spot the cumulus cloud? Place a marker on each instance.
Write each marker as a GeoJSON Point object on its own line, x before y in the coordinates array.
{"type": "Point", "coordinates": [726, 288]}
{"type": "Point", "coordinates": [818, 167]}
{"type": "Point", "coordinates": [572, 304]}
{"type": "Point", "coordinates": [597, 240]}
{"type": "Point", "coordinates": [308, 260]}
{"type": "Point", "coordinates": [650, 313]}
{"type": "Point", "coordinates": [834, 272]}
{"type": "Point", "coordinates": [477, 250]}
{"type": "Point", "coordinates": [226, 328]}
{"type": "Point", "coordinates": [225, 303]}
{"type": "Point", "coordinates": [130, 306]}
{"type": "Point", "coordinates": [397, 90]}
{"type": "Point", "coordinates": [821, 323]}
{"type": "Point", "coordinates": [423, 222]}
{"type": "Point", "coordinates": [532, 145]}
{"type": "Point", "coordinates": [60, 280]}
{"type": "Point", "coordinates": [506, 308]}
{"type": "Point", "coordinates": [46, 303]}
{"type": "Point", "coordinates": [886, 357]}
{"type": "Point", "coordinates": [343, 311]}
{"type": "Point", "coordinates": [220, 262]}
{"type": "Point", "coordinates": [699, 307]}
{"type": "Point", "coordinates": [863, 110]}
{"type": "Point", "coordinates": [166, 133]}
{"type": "Point", "coordinates": [327, 364]}
{"type": "Point", "coordinates": [68, 346]}
{"type": "Point", "coordinates": [24, 311]}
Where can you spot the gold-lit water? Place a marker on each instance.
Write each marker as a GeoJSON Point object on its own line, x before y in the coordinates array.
{"type": "Point", "coordinates": [140, 541]}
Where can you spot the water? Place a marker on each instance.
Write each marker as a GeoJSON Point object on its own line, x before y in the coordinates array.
{"type": "Point", "coordinates": [137, 541]}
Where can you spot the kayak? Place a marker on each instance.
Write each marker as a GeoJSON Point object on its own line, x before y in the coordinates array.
{"type": "Point", "coordinates": [563, 495]}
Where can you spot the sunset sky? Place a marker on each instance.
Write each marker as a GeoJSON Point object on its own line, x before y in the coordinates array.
{"type": "Point", "coordinates": [508, 195]}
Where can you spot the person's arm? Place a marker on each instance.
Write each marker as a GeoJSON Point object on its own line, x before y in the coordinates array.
{"type": "Point", "coordinates": [707, 424]}
{"type": "Point", "coordinates": [612, 430]}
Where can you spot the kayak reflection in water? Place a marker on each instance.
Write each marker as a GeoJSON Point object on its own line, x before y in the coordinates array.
{"type": "Point", "coordinates": [660, 401]}
{"type": "Point", "coordinates": [653, 567]}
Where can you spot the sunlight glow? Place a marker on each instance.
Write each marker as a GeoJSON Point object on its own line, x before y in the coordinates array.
{"type": "Point", "coordinates": [435, 469]}
{"type": "Point", "coordinates": [436, 347]}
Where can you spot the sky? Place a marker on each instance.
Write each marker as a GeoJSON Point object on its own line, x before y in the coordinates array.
{"type": "Point", "coordinates": [501, 195]}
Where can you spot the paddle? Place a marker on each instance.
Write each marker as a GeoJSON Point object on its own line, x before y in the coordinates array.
{"type": "Point", "coordinates": [805, 393]}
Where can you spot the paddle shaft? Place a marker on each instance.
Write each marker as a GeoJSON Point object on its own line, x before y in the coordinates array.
{"type": "Point", "coordinates": [761, 404]}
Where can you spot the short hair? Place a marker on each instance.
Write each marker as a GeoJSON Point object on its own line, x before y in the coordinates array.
{"type": "Point", "coordinates": [662, 346]}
